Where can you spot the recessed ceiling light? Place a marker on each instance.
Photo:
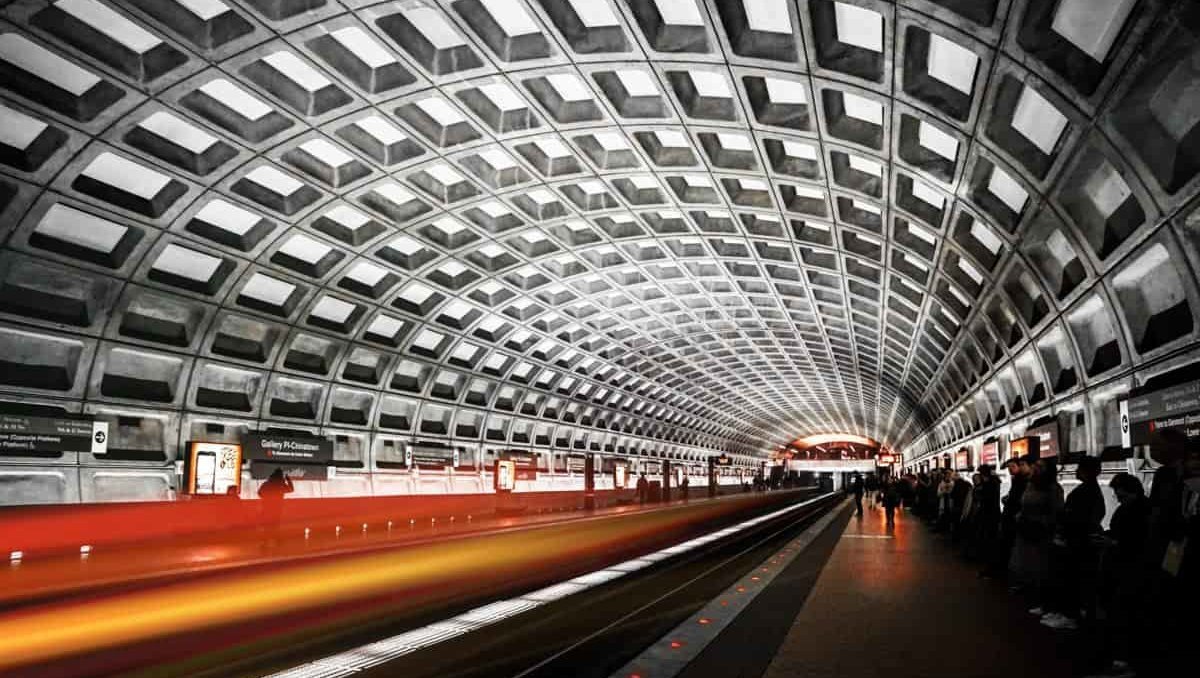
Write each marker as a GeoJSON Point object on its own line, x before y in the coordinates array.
{"type": "Point", "coordinates": [1038, 120]}
{"type": "Point", "coordinates": [862, 108]}
{"type": "Point", "coordinates": [952, 63]}
{"type": "Point", "coordinates": [858, 26]}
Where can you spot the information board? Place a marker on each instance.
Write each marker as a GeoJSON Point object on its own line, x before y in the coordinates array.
{"type": "Point", "coordinates": [526, 463]}
{"type": "Point", "coordinates": [431, 458]}
{"type": "Point", "coordinates": [1175, 407]}
{"type": "Point", "coordinates": [49, 436]}
{"type": "Point", "coordinates": [576, 463]}
{"type": "Point", "coordinates": [287, 449]}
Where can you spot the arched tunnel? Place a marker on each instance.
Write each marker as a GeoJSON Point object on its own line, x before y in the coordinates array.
{"type": "Point", "coordinates": [502, 275]}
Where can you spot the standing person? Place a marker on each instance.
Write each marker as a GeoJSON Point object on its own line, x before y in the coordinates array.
{"type": "Point", "coordinates": [1123, 575]}
{"type": "Point", "coordinates": [987, 515]}
{"type": "Point", "coordinates": [857, 489]}
{"type": "Point", "coordinates": [272, 493]}
{"type": "Point", "coordinates": [927, 496]}
{"type": "Point", "coordinates": [1041, 505]}
{"type": "Point", "coordinates": [1018, 473]}
{"type": "Point", "coordinates": [643, 488]}
{"type": "Point", "coordinates": [891, 499]}
{"type": "Point", "coordinates": [966, 524]}
{"type": "Point", "coordinates": [683, 488]}
{"type": "Point", "coordinates": [1074, 555]}
{"type": "Point", "coordinates": [1173, 553]}
{"type": "Point", "coordinates": [945, 500]}
{"type": "Point", "coordinates": [960, 495]}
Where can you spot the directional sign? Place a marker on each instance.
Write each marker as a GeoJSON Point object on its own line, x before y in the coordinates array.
{"type": "Point", "coordinates": [38, 436]}
{"type": "Point", "coordinates": [1126, 437]}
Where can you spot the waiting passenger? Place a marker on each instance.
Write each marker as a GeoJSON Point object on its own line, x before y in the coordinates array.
{"type": "Point", "coordinates": [1123, 576]}
{"type": "Point", "coordinates": [1041, 504]}
{"type": "Point", "coordinates": [945, 501]}
{"type": "Point", "coordinates": [960, 495]}
{"type": "Point", "coordinates": [1018, 472]}
{"type": "Point", "coordinates": [1075, 558]}
{"type": "Point", "coordinates": [986, 508]}
{"type": "Point", "coordinates": [643, 488]}
{"type": "Point", "coordinates": [857, 489]}
{"type": "Point", "coordinates": [891, 499]}
{"type": "Point", "coordinates": [272, 493]}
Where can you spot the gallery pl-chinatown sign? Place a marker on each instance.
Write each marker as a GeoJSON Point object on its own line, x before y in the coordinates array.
{"type": "Point", "coordinates": [287, 449]}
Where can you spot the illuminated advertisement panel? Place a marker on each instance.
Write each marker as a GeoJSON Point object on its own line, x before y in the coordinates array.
{"type": "Point", "coordinates": [1047, 439]}
{"type": "Point", "coordinates": [990, 453]}
{"type": "Point", "coordinates": [621, 476]}
{"type": "Point", "coordinates": [962, 459]}
{"type": "Point", "coordinates": [526, 463]}
{"type": "Point", "coordinates": [506, 475]}
{"type": "Point", "coordinates": [212, 468]}
{"type": "Point", "coordinates": [1019, 447]}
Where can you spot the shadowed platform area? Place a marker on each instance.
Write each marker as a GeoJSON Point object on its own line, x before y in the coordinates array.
{"type": "Point", "coordinates": [895, 602]}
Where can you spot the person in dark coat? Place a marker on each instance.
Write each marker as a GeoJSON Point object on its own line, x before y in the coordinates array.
{"type": "Point", "coordinates": [960, 494]}
{"type": "Point", "coordinates": [643, 488]}
{"type": "Point", "coordinates": [857, 489]}
{"type": "Point", "coordinates": [891, 499]}
{"type": "Point", "coordinates": [1074, 555]}
{"type": "Point", "coordinates": [1018, 472]}
{"type": "Point", "coordinates": [272, 493]}
{"type": "Point", "coordinates": [1041, 504]}
{"type": "Point", "coordinates": [987, 513]}
{"type": "Point", "coordinates": [1123, 575]}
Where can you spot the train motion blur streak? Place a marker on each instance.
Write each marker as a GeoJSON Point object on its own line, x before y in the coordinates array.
{"type": "Point", "coordinates": [123, 630]}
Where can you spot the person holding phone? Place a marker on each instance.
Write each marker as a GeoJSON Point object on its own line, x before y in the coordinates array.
{"type": "Point", "coordinates": [272, 493]}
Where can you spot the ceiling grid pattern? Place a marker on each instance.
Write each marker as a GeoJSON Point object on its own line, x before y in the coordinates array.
{"type": "Point", "coordinates": [688, 224]}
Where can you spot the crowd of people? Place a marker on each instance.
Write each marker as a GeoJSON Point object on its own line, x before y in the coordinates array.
{"type": "Point", "coordinates": [1130, 589]}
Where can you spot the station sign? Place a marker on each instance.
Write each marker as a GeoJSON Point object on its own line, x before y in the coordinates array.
{"type": "Point", "coordinates": [45, 436]}
{"type": "Point", "coordinates": [723, 460]}
{"type": "Point", "coordinates": [525, 462]}
{"type": "Point", "coordinates": [1175, 408]}
{"type": "Point", "coordinates": [576, 463]}
{"type": "Point", "coordinates": [431, 457]}
{"type": "Point", "coordinates": [287, 449]}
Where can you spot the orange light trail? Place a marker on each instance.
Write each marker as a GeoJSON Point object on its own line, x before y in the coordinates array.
{"type": "Point", "coordinates": [419, 574]}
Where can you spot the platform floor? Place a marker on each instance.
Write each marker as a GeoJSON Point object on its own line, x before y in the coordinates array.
{"type": "Point", "coordinates": [899, 602]}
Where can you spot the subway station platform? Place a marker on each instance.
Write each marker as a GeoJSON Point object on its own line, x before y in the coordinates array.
{"type": "Point", "coordinates": [900, 602]}
{"type": "Point", "coordinates": [865, 600]}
